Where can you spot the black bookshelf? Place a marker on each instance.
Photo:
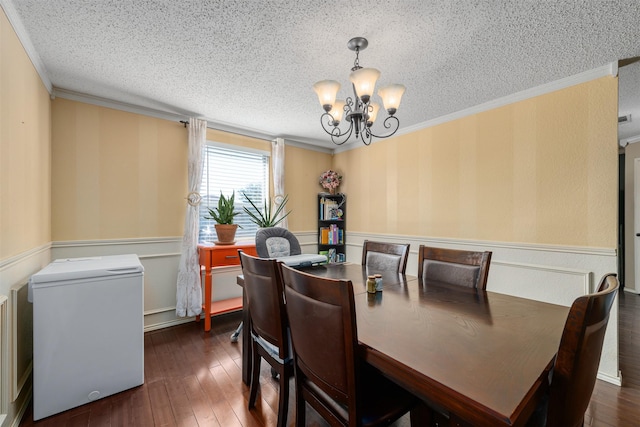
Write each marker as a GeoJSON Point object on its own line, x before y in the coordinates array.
{"type": "Point", "coordinates": [332, 230]}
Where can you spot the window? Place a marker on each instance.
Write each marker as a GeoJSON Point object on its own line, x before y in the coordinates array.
{"type": "Point", "coordinates": [227, 169]}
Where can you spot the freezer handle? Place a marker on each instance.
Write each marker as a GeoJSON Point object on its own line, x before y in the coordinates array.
{"type": "Point", "coordinates": [123, 270]}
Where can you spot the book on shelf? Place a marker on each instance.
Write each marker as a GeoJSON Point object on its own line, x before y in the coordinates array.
{"type": "Point", "coordinates": [332, 255]}
{"type": "Point", "coordinates": [331, 235]}
{"type": "Point", "coordinates": [329, 210]}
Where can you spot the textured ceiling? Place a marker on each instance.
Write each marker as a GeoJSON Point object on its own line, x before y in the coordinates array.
{"type": "Point", "coordinates": [252, 64]}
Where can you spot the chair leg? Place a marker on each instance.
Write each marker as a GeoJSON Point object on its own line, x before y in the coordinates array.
{"type": "Point", "coordinates": [255, 375]}
{"type": "Point", "coordinates": [283, 404]}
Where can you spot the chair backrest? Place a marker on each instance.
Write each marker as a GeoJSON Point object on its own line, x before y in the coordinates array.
{"type": "Point", "coordinates": [576, 365]}
{"type": "Point", "coordinates": [322, 320]}
{"type": "Point", "coordinates": [265, 297]}
{"type": "Point", "coordinates": [385, 256]}
{"type": "Point", "coordinates": [275, 242]}
{"type": "Point", "coordinates": [452, 266]}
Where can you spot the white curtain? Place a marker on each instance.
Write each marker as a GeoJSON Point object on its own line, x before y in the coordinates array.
{"type": "Point", "coordinates": [189, 293]}
{"type": "Point", "coordinates": [277, 167]}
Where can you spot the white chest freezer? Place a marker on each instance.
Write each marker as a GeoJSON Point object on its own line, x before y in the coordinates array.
{"type": "Point", "coordinates": [88, 326]}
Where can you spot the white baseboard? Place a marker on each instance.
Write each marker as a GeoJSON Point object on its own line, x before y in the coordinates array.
{"type": "Point", "coordinates": [23, 407]}
{"type": "Point", "coordinates": [611, 379]}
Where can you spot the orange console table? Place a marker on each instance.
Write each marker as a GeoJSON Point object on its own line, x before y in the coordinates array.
{"type": "Point", "coordinates": [212, 256]}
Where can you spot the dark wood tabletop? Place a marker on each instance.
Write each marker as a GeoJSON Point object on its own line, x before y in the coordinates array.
{"type": "Point", "coordinates": [358, 275]}
{"type": "Point", "coordinates": [481, 355]}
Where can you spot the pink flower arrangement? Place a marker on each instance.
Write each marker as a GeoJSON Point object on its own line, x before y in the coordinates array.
{"type": "Point", "coordinates": [330, 180]}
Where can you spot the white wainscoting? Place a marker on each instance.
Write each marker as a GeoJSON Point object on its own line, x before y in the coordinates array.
{"type": "Point", "coordinates": [160, 258]}
{"type": "Point", "coordinates": [14, 275]}
{"type": "Point", "coordinates": [548, 273]}
{"type": "Point", "coordinates": [543, 272]}
{"type": "Point", "coordinates": [21, 339]}
{"type": "Point", "coordinates": [4, 356]}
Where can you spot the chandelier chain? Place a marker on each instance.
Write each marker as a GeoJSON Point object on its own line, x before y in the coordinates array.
{"type": "Point", "coordinates": [356, 63]}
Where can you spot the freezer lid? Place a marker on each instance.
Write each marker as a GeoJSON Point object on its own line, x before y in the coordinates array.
{"type": "Point", "coordinates": [89, 267]}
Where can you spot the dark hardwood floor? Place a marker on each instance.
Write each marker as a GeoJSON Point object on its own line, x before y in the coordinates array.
{"type": "Point", "coordinates": [193, 379]}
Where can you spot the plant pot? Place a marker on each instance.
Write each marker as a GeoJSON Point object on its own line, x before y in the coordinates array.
{"type": "Point", "coordinates": [226, 234]}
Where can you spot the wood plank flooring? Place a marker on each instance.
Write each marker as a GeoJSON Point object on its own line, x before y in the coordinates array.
{"type": "Point", "coordinates": [194, 379]}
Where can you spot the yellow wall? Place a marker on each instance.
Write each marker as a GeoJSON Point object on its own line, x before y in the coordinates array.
{"type": "Point", "coordinates": [25, 203]}
{"type": "Point", "coordinates": [123, 175]}
{"type": "Point", "coordinates": [25, 160]}
{"type": "Point", "coordinates": [116, 174]}
{"type": "Point", "coordinates": [302, 170]}
{"type": "Point", "coordinates": [542, 171]}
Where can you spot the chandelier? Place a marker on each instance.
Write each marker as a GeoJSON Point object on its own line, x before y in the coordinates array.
{"type": "Point", "coordinates": [360, 111]}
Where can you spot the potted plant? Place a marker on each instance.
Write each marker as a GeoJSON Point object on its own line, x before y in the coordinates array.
{"type": "Point", "coordinates": [266, 217]}
{"type": "Point", "coordinates": [223, 216]}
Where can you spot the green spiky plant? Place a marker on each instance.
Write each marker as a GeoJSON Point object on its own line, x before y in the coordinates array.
{"type": "Point", "coordinates": [266, 217]}
{"type": "Point", "coordinates": [224, 213]}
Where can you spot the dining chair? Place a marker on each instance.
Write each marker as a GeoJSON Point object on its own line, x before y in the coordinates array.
{"type": "Point", "coordinates": [455, 267]}
{"type": "Point", "coordinates": [329, 373]}
{"type": "Point", "coordinates": [280, 243]}
{"type": "Point", "coordinates": [270, 339]}
{"type": "Point", "coordinates": [385, 256]}
{"type": "Point", "coordinates": [576, 366]}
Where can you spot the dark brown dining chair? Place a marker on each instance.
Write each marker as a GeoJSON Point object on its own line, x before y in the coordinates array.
{"type": "Point", "coordinates": [576, 365]}
{"type": "Point", "coordinates": [329, 372]}
{"type": "Point", "coordinates": [270, 339]}
{"type": "Point", "coordinates": [385, 256]}
{"type": "Point", "coordinates": [455, 267]}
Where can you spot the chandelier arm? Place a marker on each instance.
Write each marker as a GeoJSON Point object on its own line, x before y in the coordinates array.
{"type": "Point", "coordinates": [393, 121]}
{"type": "Point", "coordinates": [366, 135]}
{"type": "Point", "coordinates": [329, 128]}
{"type": "Point", "coordinates": [335, 136]}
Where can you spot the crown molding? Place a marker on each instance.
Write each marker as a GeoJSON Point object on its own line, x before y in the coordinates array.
{"type": "Point", "coordinates": [631, 140]}
{"type": "Point", "coordinates": [181, 116]}
{"type": "Point", "coordinates": [610, 69]}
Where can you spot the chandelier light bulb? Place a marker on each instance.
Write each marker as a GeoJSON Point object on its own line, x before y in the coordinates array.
{"type": "Point", "coordinates": [374, 107]}
{"type": "Point", "coordinates": [337, 111]}
{"type": "Point", "coordinates": [391, 96]}
{"type": "Point", "coordinates": [327, 90]}
{"type": "Point", "coordinates": [364, 81]}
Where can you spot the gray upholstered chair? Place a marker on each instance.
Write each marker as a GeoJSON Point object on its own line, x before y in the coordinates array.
{"type": "Point", "coordinates": [276, 242]}
{"type": "Point", "coordinates": [455, 267]}
{"type": "Point", "coordinates": [385, 256]}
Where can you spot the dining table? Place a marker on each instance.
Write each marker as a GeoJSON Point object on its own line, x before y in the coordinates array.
{"type": "Point", "coordinates": [482, 357]}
